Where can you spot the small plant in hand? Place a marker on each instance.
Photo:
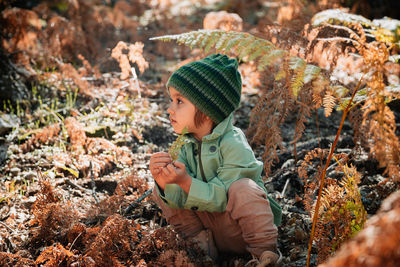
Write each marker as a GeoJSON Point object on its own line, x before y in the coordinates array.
{"type": "Point", "coordinates": [177, 144]}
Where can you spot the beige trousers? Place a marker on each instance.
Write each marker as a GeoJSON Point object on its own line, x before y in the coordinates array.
{"type": "Point", "coordinates": [247, 225]}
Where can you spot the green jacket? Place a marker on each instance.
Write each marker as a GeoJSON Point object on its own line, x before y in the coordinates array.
{"type": "Point", "coordinates": [223, 157]}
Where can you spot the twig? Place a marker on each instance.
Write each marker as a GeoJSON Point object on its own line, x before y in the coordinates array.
{"type": "Point", "coordinates": [284, 188]}
{"type": "Point", "coordinates": [135, 78]}
{"type": "Point", "coordinates": [8, 227]}
{"type": "Point", "coordinates": [93, 183]}
{"type": "Point", "coordinates": [68, 181]}
{"type": "Point", "coordinates": [135, 203]}
{"type": "Point", "coordinates": [76, 238]}
{"type": "Point", "coordinates": [162, 119]}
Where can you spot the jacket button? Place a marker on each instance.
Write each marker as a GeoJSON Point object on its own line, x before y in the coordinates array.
{"type": "Point", "coordinates": [194, 208]}
{"type": "Point", "coordinates": [213, 149]}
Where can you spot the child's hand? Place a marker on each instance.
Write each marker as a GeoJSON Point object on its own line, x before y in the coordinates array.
{"type": "Point", "coordinates": [158, 161]}
{"type": "Point", "coordinates": [175, 173]}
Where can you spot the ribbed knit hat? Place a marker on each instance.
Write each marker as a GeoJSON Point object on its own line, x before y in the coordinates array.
{"type": "Point", "coordinates": [213, 84]}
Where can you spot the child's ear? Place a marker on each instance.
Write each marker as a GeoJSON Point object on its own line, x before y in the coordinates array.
{"type": "Point", "coordinates": [210, 121]}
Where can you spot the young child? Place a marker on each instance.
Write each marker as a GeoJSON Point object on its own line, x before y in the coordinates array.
{"type": "Point", "coordinates": [214, 193]}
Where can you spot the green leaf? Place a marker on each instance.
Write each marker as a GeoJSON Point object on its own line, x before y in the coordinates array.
{"type": "Point", "coordinates": [269, 59]}
{"type": "Point", "coordinates": [175, 148]}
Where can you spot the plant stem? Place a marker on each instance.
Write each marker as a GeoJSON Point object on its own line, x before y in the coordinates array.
{"type": "Point", "coordinates": [321, 186]}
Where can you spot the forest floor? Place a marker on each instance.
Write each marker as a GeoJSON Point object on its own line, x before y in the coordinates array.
{"type": "Point", "coordinates": [72, 185]}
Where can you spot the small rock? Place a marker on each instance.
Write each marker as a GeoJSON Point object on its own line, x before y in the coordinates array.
{"type": "Point", "coordinates": [288, 164]}
{"type": "Point", "coordinates": [7, 122]}
{"type": "Point", "coordinates": [15, 171]}
{"type": "Point", "coordinates": [29, 175]}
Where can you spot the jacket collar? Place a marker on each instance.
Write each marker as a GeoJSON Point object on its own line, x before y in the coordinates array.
{"type": "Point", "coordinates": [223, 127]}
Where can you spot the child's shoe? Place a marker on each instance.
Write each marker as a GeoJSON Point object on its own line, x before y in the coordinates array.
{"type": "Point", "coordinates": [267, 258]}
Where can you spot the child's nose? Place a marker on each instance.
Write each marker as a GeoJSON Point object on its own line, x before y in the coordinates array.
{"type": "Point", "coordinates": [169, 110]}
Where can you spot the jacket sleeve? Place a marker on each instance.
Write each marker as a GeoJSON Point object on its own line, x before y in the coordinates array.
{"type": "Point", "coordinates": [237, 161]}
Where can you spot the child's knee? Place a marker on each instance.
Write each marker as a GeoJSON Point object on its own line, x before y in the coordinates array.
{"type": "Point", "coordinates": [245, 188]}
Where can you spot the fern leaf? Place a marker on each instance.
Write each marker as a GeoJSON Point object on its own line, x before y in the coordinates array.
{"type": "Point", "coordinates": [329, 103]}
{"type": "Point", "coordinates": [281, 74]}
{"type": "Point", "coordinates": [222, 42]}
{"type": "Point", "coordinates": [265, 48]}
{"type": "Point", "coordinates": [196, 40]}
{"type": "Point", "coordinates": [251, 48]}
{"type": "Point", "coordinates": [206, 37]}
{"type": "Point", "coordinates": [310, 73]}
{"type": "Point", "coordinates": [336, 16]}
{"type": "Point", "coordinates": [243, 45]}
{"type": "Point", "coordinates": [211, 43]}
{"type": "Point", "coordinates": [233, 42]}
{"type": "Point", "coordinates": [269, 59]}
{"type": "Point", "coordinates": [175, 147]}
{"type": "Point", "coordinates": [253, 45]}
{"type": "Point", "coordinates": [298, 65]}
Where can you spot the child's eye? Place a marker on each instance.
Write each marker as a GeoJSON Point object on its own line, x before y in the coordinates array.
{"type": "Point", "coordinates": [179, 101]}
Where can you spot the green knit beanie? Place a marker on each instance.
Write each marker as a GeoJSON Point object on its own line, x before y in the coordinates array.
{"type": "Point", "coordinates": [213, 84]}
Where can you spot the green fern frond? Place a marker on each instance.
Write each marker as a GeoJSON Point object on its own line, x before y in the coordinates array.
{"type": "Point", "coordinates": [298, 65]}
{"type": "Point", "coordinates": [233, 42]}
{"type": "Point", "coordinates": [269, 59]}
{"type": "Point", "coordinates": [248, 47]}
{"type": "Point", "coordinates": [280, 75]}
{"type": "Point", "coordinates": [222, 42]}
{"type": "Point", "coordinates": [211, 43]}
{"type": "Point", "coordinates": [175, 147]}
{"type": "Point", "coordinates": [244, 45]}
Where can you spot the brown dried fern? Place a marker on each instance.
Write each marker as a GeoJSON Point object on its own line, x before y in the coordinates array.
{"type": "Point", "coordinates": [378, 122]}
{"type": "Point", "coordinates": [52, 216]}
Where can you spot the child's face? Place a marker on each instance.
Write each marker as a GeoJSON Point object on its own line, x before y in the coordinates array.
{"type": "Point", "coordinates": [181, 113]}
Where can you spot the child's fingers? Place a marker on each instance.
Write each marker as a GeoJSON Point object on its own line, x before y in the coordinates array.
{"type": "Point", "coordinates": [158, 165]}
{"type": "Point", "coordinates": [161, 160]}
{"type": "Point", "coordinates": [179, 165]}
{"type": "Point", "coordinates": [161, 155]}
{"type": "Point", "coordinates": [170, 168]}
{"type": "Point", "coordinates": [166, 171]}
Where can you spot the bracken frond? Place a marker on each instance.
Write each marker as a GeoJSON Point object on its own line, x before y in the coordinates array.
{"type": "Point", "coordinates": [383, 30]}
{"type": "Point", "coordinates": [329, 102]}
{"type": "Point", "coordinates": [247, 48]}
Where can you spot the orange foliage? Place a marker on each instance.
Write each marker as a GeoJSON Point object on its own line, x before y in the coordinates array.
{"type": "Point", "coordinates": [223, 20]}
{"type": "Point", "coordinates": [54, 255]}
{"type": "Point", "coordinates": [378, 243]}
{"type": "Point", "coordinates": [52, 216]}
{"type": "Point", "coordinates": [99, 152]}
{"type": "Point", "coordinates": [129, 53]}
{"type": "Point", "coordinates": [115, 240]}
{"type": "Point", "coordinates": [45, 135]}
{"type": "Point", "coordinates": [15, 260]}
{"type": "Point", "coordinates": [76, 134]}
